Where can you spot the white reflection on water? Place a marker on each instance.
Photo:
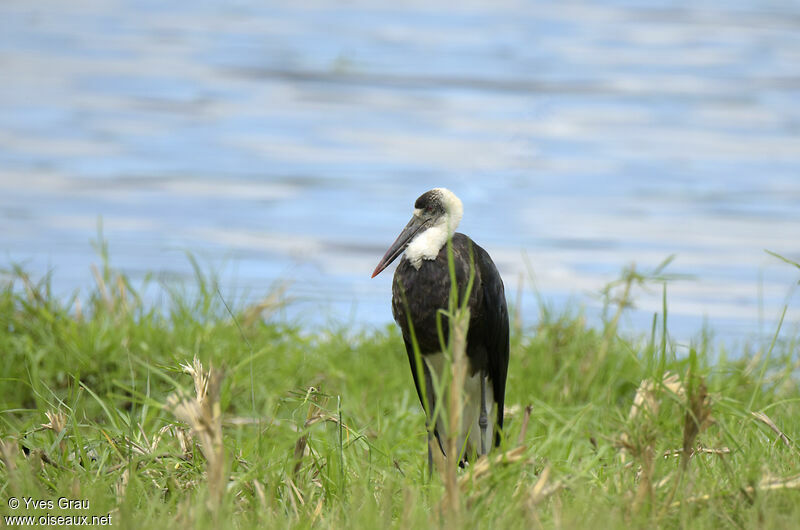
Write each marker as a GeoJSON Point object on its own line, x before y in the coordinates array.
{"type": "Point", "coordinates": [290, 143]}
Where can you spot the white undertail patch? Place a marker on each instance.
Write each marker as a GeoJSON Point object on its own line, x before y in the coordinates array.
{"type": "Point", "coordinates": [470, 435]}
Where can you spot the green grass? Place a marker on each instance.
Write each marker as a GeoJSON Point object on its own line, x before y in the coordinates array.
{"type": "Point", "coordinates": [323, 428]}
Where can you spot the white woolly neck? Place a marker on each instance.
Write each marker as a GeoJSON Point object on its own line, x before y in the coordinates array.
{"type": "Point", "coordinates": [428, 243]}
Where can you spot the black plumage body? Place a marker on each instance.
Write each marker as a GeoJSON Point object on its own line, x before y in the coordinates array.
{"type": "Point", "coordinates": [420, 293]}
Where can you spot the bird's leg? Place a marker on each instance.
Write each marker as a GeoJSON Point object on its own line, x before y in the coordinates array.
{"type": "Point", "coordinates": [430, 455]}
{"type": "Point", "coordinates": [429, 421]}
{"type": "Point", "coordinates": [483, 420]}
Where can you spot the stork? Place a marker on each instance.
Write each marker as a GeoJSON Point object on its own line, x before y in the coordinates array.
{"type": "Point", "coordinates": [421, 288]}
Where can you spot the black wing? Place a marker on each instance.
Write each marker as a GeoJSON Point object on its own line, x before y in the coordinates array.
{"type": "Point", "coordinates": [495, 319]}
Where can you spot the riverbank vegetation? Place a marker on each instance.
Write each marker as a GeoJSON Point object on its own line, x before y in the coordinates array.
{"type": "Point", "coordinates": [202, 414]}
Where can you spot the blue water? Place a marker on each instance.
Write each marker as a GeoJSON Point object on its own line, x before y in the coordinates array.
{"type": "Point", "coordinates": [287, 144]}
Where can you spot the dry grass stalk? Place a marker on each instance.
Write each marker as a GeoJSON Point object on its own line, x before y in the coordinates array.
{"type": "Point", "coordinates": [184, 440]}
{"type": "Point", "coordinates": [121, 486]}
{"type": "Point", "coordinates": [699, 450]}
{"type": "Point", "coordinates": [164, 457]}
{"type": "Point", "coordinates": [698, 417]}
{"type": "Point", "coordinates": [200, 378]}
{"type": "Point", "coordinates": [203, 414]}
{"type": "Point", "coordinates": [540, 492]}
{"type": "Point", "coordinates": [8, 455]}
{"type": "Point", "coordinates": [538, 488]}
{"type": "Point", "coordinates": [317, 510]}
{"type": "Point", "coordinates": [510, 411]}
{"type": "Point", "coordinates": [766, 484]}
{"type": "Point", "coordinates": [458, 345]}
{"type": "Point", "coordinates": [294, 496]}
{"type": "Point", "coordinates": [101, 286]}
{"type": "Point", "coordinates": [439, 460]}
{"type": "Point", "coordinates": [293, 489]}
{"type": "Point", "coordinates": [644, 492]}
{"type": "Point", "coordinates": [261, 494]}
{"type": "Point", "coordinates": [266, 307]}
{"type": "Point", "coordinates": [123, 293]}
{"type": "Point", "coordinates": [525, 419]}
{"type": "Point", "coordinates": [160, 434]}
{"type": "Point", "coordinates": [57, 421]}
{"type": "Point", "coordinates": [771, 483]}
{"type": "Point", "coordinates": [696, 420]}
{"type": "Point", "coordinates": [763, 418]}
{"type": "Point", "coordinates": [78, 309]}
{"type": "Point", "coordinates": [299, 452]}
{"type": "Point", "coordinates": [645, 407]}
{"type": "Point", "coordinates": [543, 489]}
{"type": "Point", "coordinates": [646, 400]}
{"type": "Point", "coordinates": [483, 465]}
{"type": "Point", "coordinates": [313, 416]}
{"type": "Point", "coordinates": [147, 442]}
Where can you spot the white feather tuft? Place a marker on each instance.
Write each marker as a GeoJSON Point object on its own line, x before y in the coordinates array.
{"type": "Point", "coordinates": [428, 243]}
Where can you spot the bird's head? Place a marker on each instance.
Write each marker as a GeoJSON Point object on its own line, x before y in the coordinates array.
{"type": "Point", "coordinates": [436, 216]}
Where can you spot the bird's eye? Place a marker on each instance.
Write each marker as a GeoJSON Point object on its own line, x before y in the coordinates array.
{"type": "Point", "coordinates": [429, 209]}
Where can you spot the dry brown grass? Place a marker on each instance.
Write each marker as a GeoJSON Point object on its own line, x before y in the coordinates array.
{"type": "Point", "coordinates": [203, 415]}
